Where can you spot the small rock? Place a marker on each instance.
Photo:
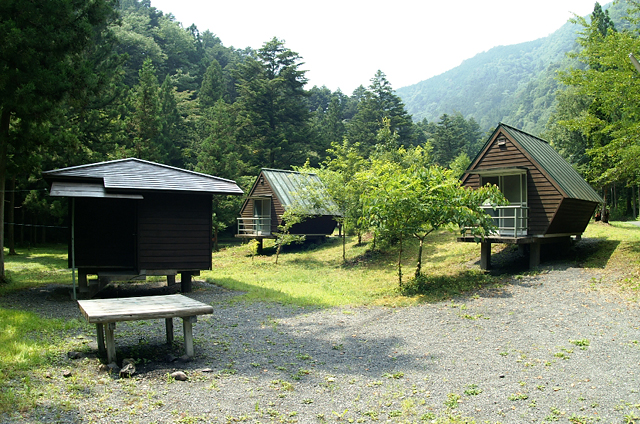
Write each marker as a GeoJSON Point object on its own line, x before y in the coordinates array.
{"type": "Point", "coordinates": [114, 368]}
{"type": "Point", "coordinates": [74, 355]}
{"type": "Point", "coordinates": [501, 376]}
{"type": "Point", "coordinates": [206, 370]}
{"type": "Point", "coordinates": [169, 358]}
{"type": "Point", "coordinates": [67, 374]}
{"type": "Point", "coordinates": [104, 368]}
{"type": "Point", "coordinates": [48, 375]}
{"type": "Point", "coordinates": [179, 376]}
{"type": "Point", "coordinates": [128, 368]}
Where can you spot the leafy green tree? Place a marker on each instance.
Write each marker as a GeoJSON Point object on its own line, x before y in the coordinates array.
{"type": "Point", "coordinates": [144, 120]}
{"type": "Point", "coordinates": [377, 103]}
{"type": "Point", "coordinates": [273, 117]}
{"type": "Point", "coordinates": [338, 175]}
{"type": "Point", "coordinates": [43, 59]}
{"type": "Point", "coordinates": [213, 85]}
{"type": "Point", "coordinates": [598, 115]}
{"type": "Point", "coordinates": [171, 126]}
{"type": "Point", "coordinates": [413, 201]}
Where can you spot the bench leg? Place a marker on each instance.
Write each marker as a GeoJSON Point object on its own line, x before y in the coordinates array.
{"type": "Point", "coordinates": [100, 339]}
{"type": "Point", "coordinates": [169, 325]}
{"type": "Point", "coordinates": [187, 325]}
{"type": "Point", "coordinates": [111, 343]}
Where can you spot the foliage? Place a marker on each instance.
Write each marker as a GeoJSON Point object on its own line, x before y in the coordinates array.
{"type": "Point", "coordinates": [597, 119]}
{"type": "Point", "coordinates": [407, 198]}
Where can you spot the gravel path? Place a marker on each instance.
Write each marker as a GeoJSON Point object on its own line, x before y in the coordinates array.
{"type": "Point", "coordinates": [556, 346]}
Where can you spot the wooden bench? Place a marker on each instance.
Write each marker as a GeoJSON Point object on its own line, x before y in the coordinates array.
{"type": "Point", "coordinates": [110, 311]}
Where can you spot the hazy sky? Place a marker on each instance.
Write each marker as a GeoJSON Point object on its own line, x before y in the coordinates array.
{"type": "Point", "coordinates": [343, 43]}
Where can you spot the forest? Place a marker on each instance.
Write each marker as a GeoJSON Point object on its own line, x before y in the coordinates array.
{"type": "Point", "coordinates": [139, 84]}
{"type": "Point", "coordinates": [111, 79]}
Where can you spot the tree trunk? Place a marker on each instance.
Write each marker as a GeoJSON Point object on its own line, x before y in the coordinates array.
{"type": "Point", "coordinates": [22, 226]}
{"type": "Point", "coordinates": [12, 218]}
{"type": "Point", "coordinates": [400, 264]}
{"type": "Point", "coordinates": [419, 265]}
{"type": "Point", "coordinates": [5, 121]}
{"type": "Point", "coordinates": [344, 242]}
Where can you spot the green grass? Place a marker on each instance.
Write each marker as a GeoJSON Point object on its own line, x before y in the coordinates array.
{"type": "Point", "coordinates": [316, 275]}
{"type": "Point", "coordinates": [36, 267]}
{"type": "Point", "coordinates": [27, 343]}
{"type": "Point", "coordinates": [308, 275]}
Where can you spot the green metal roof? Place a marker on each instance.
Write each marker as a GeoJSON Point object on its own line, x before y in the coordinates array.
{"type": "Point", "coordinates": [301, 189]}
{"type": "Point", "coordinates": [554, 165]}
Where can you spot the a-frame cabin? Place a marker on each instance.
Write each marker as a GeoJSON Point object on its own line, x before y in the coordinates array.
{"type": "Point", "coordinates": [132, 218]}
{"type": "Point", "coordinates": [549, 200]}
{"type": "Point", "coordinates": [276, 190]}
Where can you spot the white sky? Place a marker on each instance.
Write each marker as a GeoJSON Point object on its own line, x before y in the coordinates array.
{"type": "Point", "coordinates": [343, 43]}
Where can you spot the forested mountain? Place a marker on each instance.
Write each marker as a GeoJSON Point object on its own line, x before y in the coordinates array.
{"type": "Point", "coordinates": [515, 84]}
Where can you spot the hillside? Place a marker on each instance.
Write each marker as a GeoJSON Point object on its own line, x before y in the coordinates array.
{"type": "Point", "coordinates": [514, 84]}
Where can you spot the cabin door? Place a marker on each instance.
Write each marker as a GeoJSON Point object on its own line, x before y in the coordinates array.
{"type": "Point", "coordinates": [262, 216]}
{"type": "Point", "coordinates": [512, 220]}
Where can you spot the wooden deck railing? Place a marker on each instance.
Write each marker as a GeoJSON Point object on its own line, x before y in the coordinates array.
{"type": "Point", "coordinates": [260, 226]}
{"type": "Point", "coordinates": [512, 220]}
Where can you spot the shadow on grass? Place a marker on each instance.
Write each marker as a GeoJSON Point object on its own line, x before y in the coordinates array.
{"type": "Point", "coordinates": [441, 287]}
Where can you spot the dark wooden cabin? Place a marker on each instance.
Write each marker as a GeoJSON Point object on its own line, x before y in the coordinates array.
{"type": "Point", "coordinates": [549, 200]}
{"type": "Point", "coordinates": [131, 218]}
{"type": "Point", "coordinates": [275, 191]}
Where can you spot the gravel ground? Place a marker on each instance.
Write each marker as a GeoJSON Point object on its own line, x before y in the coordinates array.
{"type": "Point", "coordinates": [557, 346]}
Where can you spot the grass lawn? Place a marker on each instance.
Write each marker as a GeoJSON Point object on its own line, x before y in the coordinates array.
{"type": "Point", "coordinates": [305, 275]}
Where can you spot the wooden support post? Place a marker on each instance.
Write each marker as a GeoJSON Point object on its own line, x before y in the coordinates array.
{"type": "Point", "coordinates": [100, 339]}
{"type": "Point", "coordinates": [534, 255]}
{"type": "Point", "coordinates": [185, 282]}
{"type": "Point", "coordinates": [83, 284]}
{"type": "Point", "coordinates": [111, 343]}
{"type": "Point", "coordinates": [485, 255]}
{"type": "Point", "coordinates": [187, 326]}
{"type": "Point", "coordinates": [171, 280]}
{"type": "Point", "coordinates": [260, 246]}
{"type": "Point", "coordinates": [169, 325]}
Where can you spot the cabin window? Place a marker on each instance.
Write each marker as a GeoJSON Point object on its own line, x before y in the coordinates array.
{"type": "Point", "coordinates": [262, 215]}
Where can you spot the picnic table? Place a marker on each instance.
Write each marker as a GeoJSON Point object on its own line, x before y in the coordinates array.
{"type": "Point", "coordinates": [106, 312]}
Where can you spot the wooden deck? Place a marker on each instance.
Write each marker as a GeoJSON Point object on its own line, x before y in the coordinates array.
{"type": "Point", "coordinates": [110, 311]}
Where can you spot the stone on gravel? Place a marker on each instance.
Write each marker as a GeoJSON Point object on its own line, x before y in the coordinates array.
{"type": "Point", "coordinates": [67, 374]}
{"type": "Point", "coordinates": [74, 355]}
{"type": "Point", "coordinates": [128, 368]}
{"type": "Point", "coordinates": [179, 376]}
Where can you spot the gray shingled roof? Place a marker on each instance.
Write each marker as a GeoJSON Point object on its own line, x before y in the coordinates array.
{"type": "Point", "coordinates": [553, 164]}
{"type": "Point", "coordinates": [303, 189]}
{"type": "Point", "coordinates": [140, 175]}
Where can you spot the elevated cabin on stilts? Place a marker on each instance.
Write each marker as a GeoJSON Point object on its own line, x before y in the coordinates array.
{"type": "Point", "coordinates": [132, 218]}
{"type": "Point", "coordinates": [549, 200]}
{"type": "Point", "coordinates": [276, 191]}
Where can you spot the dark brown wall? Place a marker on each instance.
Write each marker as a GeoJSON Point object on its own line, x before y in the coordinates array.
{"type": "Point", "coordinates": [572, 217]}
{"type": "Point", "coordinates": [174, 232]}
{"type": "Point", "coordinates": [104, 233]}
{"type": "Point", "coordinates": [320, 225]}
{"type": "Point", "coordinates": [544, 198]}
